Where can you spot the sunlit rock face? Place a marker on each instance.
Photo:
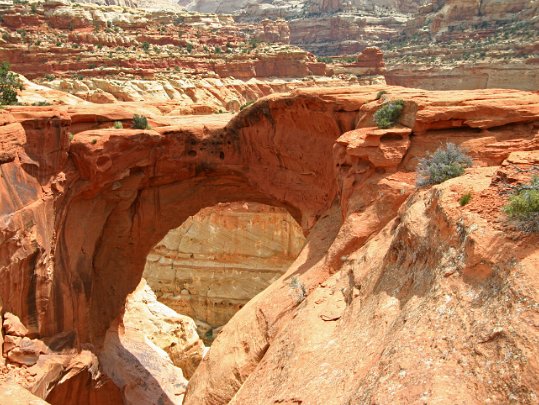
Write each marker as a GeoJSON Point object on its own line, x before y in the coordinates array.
{"type": "Point", "coordinates": [219, 259]}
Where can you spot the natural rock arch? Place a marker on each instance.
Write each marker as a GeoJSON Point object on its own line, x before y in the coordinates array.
{"type": "Point", "coordinates": [128, 189]}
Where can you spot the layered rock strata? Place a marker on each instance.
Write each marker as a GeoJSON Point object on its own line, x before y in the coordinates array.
{"type": "Point", "coordinates": [56, 38]}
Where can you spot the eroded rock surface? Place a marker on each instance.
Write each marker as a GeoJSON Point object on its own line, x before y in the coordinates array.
{"type": "Point", "coordinates": [147, 350]}
{"type": "Point", "coordinates": [80, 212]}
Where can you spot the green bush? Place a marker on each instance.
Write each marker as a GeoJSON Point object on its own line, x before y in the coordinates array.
{"type": "Point", "coordinates": [9, 84]}
{"type": "Point", "coordinates": [118, 125]}
{"type": "Point", "coordinates": [523, 207]}
{"type": "Point", "coordinates": [380, 94]}
{"type": "Point", "coordinates": [140, 122]}
{"type": "Point", "coordinates": [465, 199]}
{"type": "Point", "coordinates": [388, 114]}
{"type": "Point", "coordinates": [444, 164]}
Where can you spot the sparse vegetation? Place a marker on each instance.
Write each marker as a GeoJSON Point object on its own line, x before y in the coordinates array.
{"type": "Point", "coordinates": [9, 85]}
{"type": "Point", "coordinates": [244, 106]}
{"type": "Point", "coordinates": [146, 47]}
{"type": "Point", "coordinates": [444, 164]}
{"type": "Point", "coordinates": [465, 199]}
{"type": "Point", "coordinates": [140, 122]}
{"type": "Point", "coordinates": [388, 115]}
{"type": "Point", "coordinates": [298, 289]}
{"type": "Point", "coordinates": [118, 125]}
{"type": "Point", "coordinates": [324, 59]}
{"type": "Point", "coordinates": [523, 206]}
{"type": "Point", "coordinates": [380, 94]}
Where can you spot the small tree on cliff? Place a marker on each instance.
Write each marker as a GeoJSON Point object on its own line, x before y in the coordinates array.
{"type": "Point", "coordinates": [9, 84]}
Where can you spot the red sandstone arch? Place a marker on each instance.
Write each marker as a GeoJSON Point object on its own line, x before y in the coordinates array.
{"type": "Point", "coordinates": [77, 219]}
{"type": "Point", "coordinates": [127, 189]}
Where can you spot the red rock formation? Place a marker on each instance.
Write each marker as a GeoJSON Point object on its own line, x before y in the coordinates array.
{"type": "Point", "coordinates": [78, 218]}
{"type": "Point", "coordinates": [375, 173]}
{"type": "Point", "coordinates": [373, 59]}
{"type": "Point", "coordinates": [274, 31]}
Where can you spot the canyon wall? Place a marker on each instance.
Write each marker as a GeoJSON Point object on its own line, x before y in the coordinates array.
{"type": "Point", "coordinates": [219, 259]}
{"type": "Point", "coordinates": [61, 39]}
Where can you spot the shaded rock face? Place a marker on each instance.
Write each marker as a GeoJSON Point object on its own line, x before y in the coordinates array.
{"type": "Point", "coordinates": [219, 259]}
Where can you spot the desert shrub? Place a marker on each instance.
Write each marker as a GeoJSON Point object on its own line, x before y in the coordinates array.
{"type": "Point", "coordinates": [380, 94]}
{"type": "Point", "coordinates": [140, 122]}
{"type": "Point", "coordinates": [324, 59]}
{"type": "Point", "coordinates": [388, 114]}
{"type": "Point", "coordinates": [9, 84]}
{"type": "Point", "coordinates": [41, 103]}
{"type": "Point", "coordinates": [118, 125]}
{"type": "Point", "coordinates": [247, 104]}
{"type": "Point", "coordinates": [146, 46]}
{"type": "Point", "coordinates": [465, 199]}
{"type": "Point", "coordinates": [523, 206]}
{"type": "Point", "coordinates": [444, 164]}
{"type": "Point", "coordinates": [298, 289]}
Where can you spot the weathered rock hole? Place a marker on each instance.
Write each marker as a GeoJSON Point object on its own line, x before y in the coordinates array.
{"type": "Point", "coordinates": [391, 137]}
{"type": "Point", "coordinates": [220, 258]}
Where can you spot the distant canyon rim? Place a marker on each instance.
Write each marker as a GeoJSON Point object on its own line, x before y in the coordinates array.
{"type": "Point", "coordinates": [224, 202]}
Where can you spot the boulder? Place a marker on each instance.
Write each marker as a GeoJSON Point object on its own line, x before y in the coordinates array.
{"type": "Point", "coordinates": [13, 325]}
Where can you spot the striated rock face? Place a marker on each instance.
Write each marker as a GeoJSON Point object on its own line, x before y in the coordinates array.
{"type": "Point", "coordinates": [484, 75]}
{"type": "Point", "coordinates": [457, 44]}
{"type": "Point", "coordinates": [60, 39]}
{"type": "Point", "coordinates": [219, 259]}
{"type": "Point", "coordinates": [344, 34]}
{"type": "Point", "coordinates": [190, 96]}
{"type": "Point", "coordinates": [370, 62]}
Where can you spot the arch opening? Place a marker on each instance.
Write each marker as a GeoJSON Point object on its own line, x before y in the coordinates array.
{"type": "Point", "coordinates": [220, 258]}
